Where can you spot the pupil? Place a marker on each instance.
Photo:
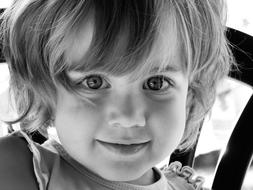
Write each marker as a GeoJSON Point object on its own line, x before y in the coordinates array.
{"type": "Point", "coordinates": [155, 83]}
{"type": "Point", "coordinates": [94, 82]}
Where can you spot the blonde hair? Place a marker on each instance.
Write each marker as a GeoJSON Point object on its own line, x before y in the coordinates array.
{"type": "Point", "coordinates": [34, 44]}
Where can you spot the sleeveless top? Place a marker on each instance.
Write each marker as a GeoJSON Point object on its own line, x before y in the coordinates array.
{"type": "Point", "coordinates": [56, 170]}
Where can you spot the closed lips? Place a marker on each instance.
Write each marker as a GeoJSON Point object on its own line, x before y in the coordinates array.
{"type": "Point", "coordinates": [124, 148]}
{"type": "Point", "coordinates": [124, 143]}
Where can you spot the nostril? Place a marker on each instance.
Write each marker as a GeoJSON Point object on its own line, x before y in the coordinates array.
{"type": "Point", "coordinates": [124, 125]}
{"type": "Point", "coordinates": [127, 122]}
{"type": "Point", "coordinates": [120, 115]}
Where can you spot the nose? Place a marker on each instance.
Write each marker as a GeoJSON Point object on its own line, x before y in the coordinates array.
{"type": "Point", "coordinates": [127, 111]}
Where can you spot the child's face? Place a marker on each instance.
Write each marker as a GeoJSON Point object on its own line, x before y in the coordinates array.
{"type": "Point", "coordinates": [126, 127]}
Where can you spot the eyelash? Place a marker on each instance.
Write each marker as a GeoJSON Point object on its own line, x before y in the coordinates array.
{"type": "Point", "coordinates": [82, 82]}
{"type": "Point", "coordinates": [169, 82]}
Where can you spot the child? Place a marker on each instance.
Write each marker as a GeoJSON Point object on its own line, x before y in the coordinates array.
{"type": "Point", "coordinates": [124, 83]}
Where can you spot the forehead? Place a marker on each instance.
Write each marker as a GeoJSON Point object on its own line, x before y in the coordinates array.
{"type": "Point", "coordinates": [164, 52]}
{"type": "Point", "coordinates": [79, 41]}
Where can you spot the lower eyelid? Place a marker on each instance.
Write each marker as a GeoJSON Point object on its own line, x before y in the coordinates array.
{"type": "Point", "coordinates": [79, 82]}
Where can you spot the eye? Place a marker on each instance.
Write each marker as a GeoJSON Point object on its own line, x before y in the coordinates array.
{"type": "Point", "coordinates": [158, 83]}
{"type": "Point", "coordinates": [94, 82]}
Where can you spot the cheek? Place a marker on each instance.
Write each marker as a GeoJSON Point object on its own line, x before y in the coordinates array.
{"type": "Point", "coordinates": [76, 118]}
{"type": "Point", "coordinates": [168, 124]}
{"type": "Point", "coordinates": [170, 117]}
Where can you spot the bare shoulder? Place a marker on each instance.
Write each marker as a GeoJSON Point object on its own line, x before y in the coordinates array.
{"type": "Point", "coordinates": [16, 165]}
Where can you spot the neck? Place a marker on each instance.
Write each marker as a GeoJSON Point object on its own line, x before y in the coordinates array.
{"type": "Point", "coordinates": [147, 179]}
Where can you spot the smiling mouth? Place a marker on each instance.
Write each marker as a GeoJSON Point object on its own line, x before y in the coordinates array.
{"type": "Point", "coordinates": [123, 149]}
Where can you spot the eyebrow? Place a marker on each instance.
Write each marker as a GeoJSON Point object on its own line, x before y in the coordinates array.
{"type": "Point", "coordinates": [154, 70]}
{"type": "Point", "coordinates": [168, 68]}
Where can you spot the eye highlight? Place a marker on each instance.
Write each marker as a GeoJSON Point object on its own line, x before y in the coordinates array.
{"type": "Point", "coordinates": [94, 82]}
{"type": "Point", "coordinates": [158, 83]}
